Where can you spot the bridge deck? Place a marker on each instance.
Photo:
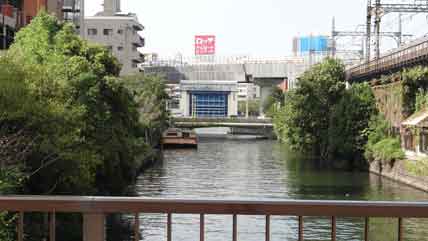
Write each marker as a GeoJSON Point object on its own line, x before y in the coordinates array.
{"type": "Point", "coordinates": [222, 122]}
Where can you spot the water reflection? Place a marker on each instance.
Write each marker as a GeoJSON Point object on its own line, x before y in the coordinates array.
{"type": "Point", "coordinates": [257, 170]}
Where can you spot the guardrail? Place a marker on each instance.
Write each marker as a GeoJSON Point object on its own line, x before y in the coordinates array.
{"type": "Point", "coordinates": [94, 209]}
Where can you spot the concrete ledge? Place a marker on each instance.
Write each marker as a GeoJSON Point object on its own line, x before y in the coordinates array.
{"type": "Point", "coordinates": [398, 173]}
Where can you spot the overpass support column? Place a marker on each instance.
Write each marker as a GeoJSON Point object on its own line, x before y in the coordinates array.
{"type": "Point", "coordinates": [265, 92]}
{"type": "Point", "coordinates": [267, 85]}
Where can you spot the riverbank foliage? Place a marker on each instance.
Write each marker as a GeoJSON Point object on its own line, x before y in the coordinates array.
{"type": "Point", "coordinates": [253, 108]}
{"type": "Point", "coordinates": [324, 118]}
{"type": "Point", "coordinates": [69, 125]}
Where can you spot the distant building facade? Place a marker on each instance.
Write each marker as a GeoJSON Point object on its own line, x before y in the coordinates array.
{"type": "Point", "coordinates": [18, 14]}
{"type": "Point", "coordinates": [248, 91]}
{"type": "Point", "coordinates": [119, 33]}
{"type": "Point", "coordinates": [212, 98]}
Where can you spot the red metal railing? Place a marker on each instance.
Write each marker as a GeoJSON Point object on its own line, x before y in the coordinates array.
{"type": "Point", "coordinates": [94, 209]}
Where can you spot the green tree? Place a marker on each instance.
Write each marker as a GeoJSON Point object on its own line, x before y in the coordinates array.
{"type": "Point", "coordinates": [151, 99]}
{"type": "Point", "coordinates": [85, 128]}
{"type": "Point", "coordinates": [308, 108]}
{"type": "Point", "coordinates": [348, 122]}
{"type": "Point", "coordinates": [322, 117]}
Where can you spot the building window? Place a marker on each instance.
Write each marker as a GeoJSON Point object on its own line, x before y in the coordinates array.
{"type": "Point", "coordinates": [92, 31]}
{"type": "Point", "coordinates": [120, 31]}
{"type": "Point", "coordinates": [134, 65]}
{"type": "Point", "coordinates": [209, 104]}
{"type": "Point", "coordinates": [108, 31]}
{"type": "Point", "coordinates": [109, 48]}
{"type": "Point", "coordinates": [119, 48]}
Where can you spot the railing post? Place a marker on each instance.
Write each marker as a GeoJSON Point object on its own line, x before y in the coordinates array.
{"type": "Point", "coordinates": [235, 228]}
{"type": "Point", "coordinates": [300, 228]}
{"type": "Point", "coordinates": [93, 227]}
{"type": "Point", "coordinates": [20, 227]}
{"type": "Point", "coordinates": [169, 227]}
{"type": "Point", "coordinates": [333, 228]}
{"type": "Point", "coordinates": [52, 227]}
{"type": "Point", "coordinates": [202, 227]}
{"type": "Point", "coordinates": [137, 227]}
{"type": "Point", "coordinates": [267, 232]}
{"type": "Point", "coordinates": [366, 229]}
{"type": "Point", "coordinates": [400, 229]}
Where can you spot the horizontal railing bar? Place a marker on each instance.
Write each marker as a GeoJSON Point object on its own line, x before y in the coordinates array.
{"type": "Point", "coordinates": [149, 205]}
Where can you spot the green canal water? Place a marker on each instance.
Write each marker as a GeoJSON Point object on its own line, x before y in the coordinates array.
{"type": "Point", "coordinates": [265, 170]}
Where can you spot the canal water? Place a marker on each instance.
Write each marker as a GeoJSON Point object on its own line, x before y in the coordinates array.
{"type": "Point", "coordinates": [264, 170]}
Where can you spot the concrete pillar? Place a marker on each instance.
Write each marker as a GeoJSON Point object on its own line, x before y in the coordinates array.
{"type": "Point", "coordinates": [265, 92]}
{"type": "Point", "coordinates": [184, 103]}
{"type": "Point", "coordinates": [94, 227]}
{"type": "Point", "coordinates": [267, 86]}
{"type": "Point", "coordinates": [232, 103]}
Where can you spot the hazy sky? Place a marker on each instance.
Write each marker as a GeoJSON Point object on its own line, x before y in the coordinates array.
{"type": "Point", "coordinates": [252, 27]}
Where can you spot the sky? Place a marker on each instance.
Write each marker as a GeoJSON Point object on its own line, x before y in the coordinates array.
{"type": "Point", "coordinates": [258, 28]}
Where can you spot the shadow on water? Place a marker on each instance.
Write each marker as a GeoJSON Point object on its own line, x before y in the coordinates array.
{"type": "Point", "coordinates": [265, 170]}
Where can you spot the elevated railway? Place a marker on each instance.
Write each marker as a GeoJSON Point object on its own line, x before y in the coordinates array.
{"type": "Point", "coordinates": [414, 53]}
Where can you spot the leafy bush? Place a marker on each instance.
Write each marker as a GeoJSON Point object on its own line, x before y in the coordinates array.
{"type": "Point", "coordinates": [387, 150]}
{"type": "Point", "coordinates": [417, 167]}
{"type": "Point", "coordinates": [381, 146]}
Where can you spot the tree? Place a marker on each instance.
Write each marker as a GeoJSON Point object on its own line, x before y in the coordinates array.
{"type": "Point", "coordinates": [349, 119]}
{"type": "Point", "coordinates": [316, 116]}
{"type": "Point", "coordinates": [64, 97]}
{"type": "Point", "coordinates": [308, 108]}
{"type": "Point", "coordinates": [151, 99]}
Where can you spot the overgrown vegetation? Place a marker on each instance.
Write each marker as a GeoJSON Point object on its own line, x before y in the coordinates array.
{"type": "Point", "coordinates": [418, 168]}
{"type": "Point", "coordinates": [69, 125]}
{"type": "Point", "coordinates": [253, 107]}
{"type": "Point", "coordinates": [324, 118]}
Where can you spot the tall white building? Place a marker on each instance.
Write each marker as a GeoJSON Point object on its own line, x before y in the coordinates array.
{"type": "Point", "coordinates": [119, 32]}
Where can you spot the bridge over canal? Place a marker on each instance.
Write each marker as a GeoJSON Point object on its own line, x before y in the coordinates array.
{"type": "Point", "coordinates": [411, 54]}
{"type": "Point", "coordinates": [238, 126]}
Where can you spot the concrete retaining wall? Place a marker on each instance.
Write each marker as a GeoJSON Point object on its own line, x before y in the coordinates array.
{"type": "Point", "coordinates": [398, 172]}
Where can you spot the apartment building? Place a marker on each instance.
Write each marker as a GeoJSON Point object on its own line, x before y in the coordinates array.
{"type": "Point", "coordinates": [119, 32]}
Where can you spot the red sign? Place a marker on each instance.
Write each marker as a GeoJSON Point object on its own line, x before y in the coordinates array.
{"type": "Point", "coordinates": [7, 10]}
{"type": "Point", "coordinates": [205, 45]}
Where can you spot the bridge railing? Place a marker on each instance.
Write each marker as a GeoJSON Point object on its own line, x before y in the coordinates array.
{"type": "Point", "coordinates": [95, 208]}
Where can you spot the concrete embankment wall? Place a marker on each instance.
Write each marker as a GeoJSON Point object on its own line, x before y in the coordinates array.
{"type": "Point", "coordinates": [398, 172]}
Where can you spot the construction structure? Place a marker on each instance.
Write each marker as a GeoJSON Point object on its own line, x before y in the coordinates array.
{"type": "Point", "coordinates": [119, 32]}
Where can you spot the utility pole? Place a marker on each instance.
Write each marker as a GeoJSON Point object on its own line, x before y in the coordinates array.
{"type": "Point", "coordinates": [333, 35]}
{"type": "Point", "coordinates": [3, 12]}
{"type": "Point", "coordinates": [380, 9]}
{"type": "Point", "coordinates": [368, 30]}
{"type": "Point", "coordinates": [377, 27]}
{"type": "Point", "coordinates": [400, 29]}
